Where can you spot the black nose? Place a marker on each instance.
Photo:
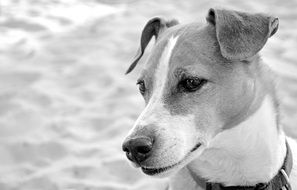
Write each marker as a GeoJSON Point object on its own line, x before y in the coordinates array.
{"type": "Point", "coordinates": [138, 149]}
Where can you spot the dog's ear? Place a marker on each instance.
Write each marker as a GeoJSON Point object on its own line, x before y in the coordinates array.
{"type": "Point", "coordinates": [241, 35]}
{"type": "Point", "coordinates": [154, 27]}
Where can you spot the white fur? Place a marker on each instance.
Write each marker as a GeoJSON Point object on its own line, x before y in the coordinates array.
{"type": "Point", "coordinates": [247, 154]}
{"type": "Point", "coordinates": [155, 102]}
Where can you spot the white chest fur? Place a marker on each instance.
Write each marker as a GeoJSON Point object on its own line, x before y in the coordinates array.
{"type": "Point", "coordinates": [247, 154]}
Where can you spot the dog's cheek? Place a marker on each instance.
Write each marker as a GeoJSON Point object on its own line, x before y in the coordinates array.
{"type": "Point", "coordinates": [168, 149]}
{"type": "Point", "coordinates": [185, 132]}
{"type": "Point", "coordinates": [174, 133]}
{"type": "Point", "coordinates": [207, 124]}
{"type": "Point", "coordinates": [176, 137]}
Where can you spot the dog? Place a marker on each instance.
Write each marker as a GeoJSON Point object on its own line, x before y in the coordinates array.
{"type": "Point", "coordinates": [211, 119]}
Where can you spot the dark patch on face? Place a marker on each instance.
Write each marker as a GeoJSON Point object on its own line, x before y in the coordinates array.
{"type": "Point", "coordinates": [148, 74]}
{"type": "Point", "coordinates": [197, 48]}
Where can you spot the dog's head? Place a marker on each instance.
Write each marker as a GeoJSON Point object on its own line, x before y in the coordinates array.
{"type": "Point", "coordinates": [197, 82]}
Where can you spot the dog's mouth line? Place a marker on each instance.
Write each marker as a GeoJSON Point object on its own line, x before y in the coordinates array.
{"type": "Point", "coordinates": [153, 171]}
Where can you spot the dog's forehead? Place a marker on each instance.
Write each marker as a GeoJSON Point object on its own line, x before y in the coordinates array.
{"type": "Point", "coordinates": [196, 44]}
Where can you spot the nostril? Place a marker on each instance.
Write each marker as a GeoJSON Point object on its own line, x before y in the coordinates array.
{"type": "Point", "coordinates": [125, 149]}
{"type": "Point", "coordinates": [129, 156]}
{"type": "Point", "coordinates": [125, 146]}
{"type": "Point", "coordinates": [144, 149]}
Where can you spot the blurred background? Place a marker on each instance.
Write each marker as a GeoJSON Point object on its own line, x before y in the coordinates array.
{"type": "Point", "coordinates": [65, 103]}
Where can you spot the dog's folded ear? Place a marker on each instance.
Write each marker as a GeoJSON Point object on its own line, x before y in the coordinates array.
{"type": "Point", "coordinates": [154, 27]}
{"type": "Point", "coordinates": [241, 35]}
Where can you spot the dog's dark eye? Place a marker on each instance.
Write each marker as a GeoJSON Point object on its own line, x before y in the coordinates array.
{"type": "Point", "coordinates": [141, 86]}
{"type": "Point", "coordinates": [192, 84]}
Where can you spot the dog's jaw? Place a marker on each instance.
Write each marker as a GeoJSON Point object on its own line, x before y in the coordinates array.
{"type": "Point", "coordinates": [247, 154]}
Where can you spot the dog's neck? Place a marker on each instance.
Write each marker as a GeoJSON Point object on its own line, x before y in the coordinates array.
{"type": "Point", "coordinates": [247, 154]}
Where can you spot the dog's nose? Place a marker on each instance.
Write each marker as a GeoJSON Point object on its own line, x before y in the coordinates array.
{"type": "Point", "coordinates": [138, 149]}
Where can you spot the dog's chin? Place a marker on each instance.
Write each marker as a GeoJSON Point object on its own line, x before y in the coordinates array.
{"type": "Point", "coordinates": [173, 168]}
{"type": "Point", "coordinates": [161, 172]}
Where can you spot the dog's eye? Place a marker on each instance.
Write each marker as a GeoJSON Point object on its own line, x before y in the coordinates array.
{"type": "Point", "coordinates": [192, 84]}
{"type": "Point", "coordinates": [141, 86]}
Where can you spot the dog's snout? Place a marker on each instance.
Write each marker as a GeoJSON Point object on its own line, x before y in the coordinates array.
{"type": "Point", "coordinates": [138, 149]}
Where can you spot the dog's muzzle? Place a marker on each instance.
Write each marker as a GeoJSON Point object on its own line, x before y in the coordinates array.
{"type": "Point", "coordinates": [138, 149]}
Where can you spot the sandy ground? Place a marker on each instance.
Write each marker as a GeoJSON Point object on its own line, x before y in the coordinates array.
{"type": "Point", "coordinates": [65, 103]}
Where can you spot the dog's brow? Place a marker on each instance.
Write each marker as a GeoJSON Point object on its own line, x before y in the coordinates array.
{"type": "Point", "coordinates": [139, 80]}
{"type": "Point", "coordinates": [180, 72]}
{"type": "Point", "coordinates": [142, 75]}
